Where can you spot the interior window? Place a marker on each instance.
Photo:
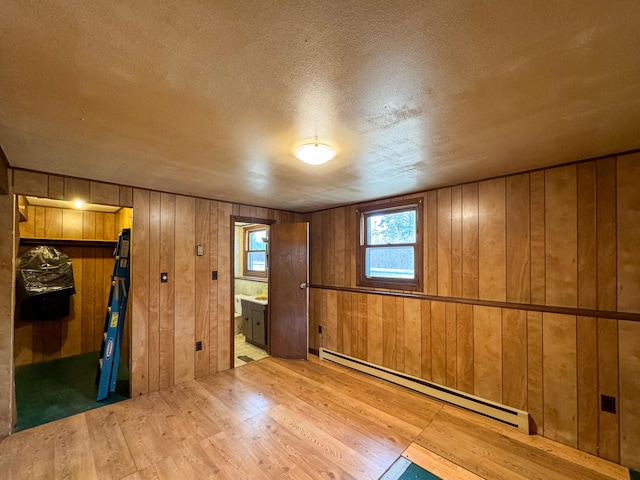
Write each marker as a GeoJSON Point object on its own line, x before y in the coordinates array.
{"type": "Point", "coordinates": [255, 251]}
{"type": "Point", "coordinates": [390, 247]}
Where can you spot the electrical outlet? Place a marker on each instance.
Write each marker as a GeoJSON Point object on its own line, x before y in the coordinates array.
{"type": "Point", "coordinates": [608, 403]}
{"type": "Point", "coordinates": [320, 329]}
{"type": "Point", "coordinates": [214, 275]}
{"type": "Point", "coordinates": [164, 277]}
{"type": "Point", "coordinates": [198, 346]}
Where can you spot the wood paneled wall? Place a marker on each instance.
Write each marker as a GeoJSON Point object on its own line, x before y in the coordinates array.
{"type": "Point", "coordinates": [8, 250]}
{"type": "Point", "coordinates": [81, 331]}
{"type": "Point", "coordinates": [560, 237]}
{"type": "Point", "coordinates": [168, 318]}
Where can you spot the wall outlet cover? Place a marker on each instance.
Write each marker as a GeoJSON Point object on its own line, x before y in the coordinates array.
{"type": "Point", "coordinates": [608, 403]}
{"type": "Point", "coordinates": [198, 346]}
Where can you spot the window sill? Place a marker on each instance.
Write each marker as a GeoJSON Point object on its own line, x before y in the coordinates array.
{"type": "Point", "coordinates": [253, 279]}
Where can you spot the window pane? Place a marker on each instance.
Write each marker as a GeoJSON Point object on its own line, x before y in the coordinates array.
{"type": "Point", "coordinates": [256, 261]}
{"type": "Point", "coordinates": [390, 228]}
{"type": "Point", "coordinates": [256, 240]}
{"type": "Point", "coordinates": [390, 262]}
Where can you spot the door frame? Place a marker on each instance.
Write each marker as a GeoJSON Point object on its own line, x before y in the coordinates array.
{"type": "Point", "coordinates": [232, 256]}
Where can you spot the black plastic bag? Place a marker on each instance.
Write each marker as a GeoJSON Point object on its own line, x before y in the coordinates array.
{"type": "Point", "coordinates": [45, 284]}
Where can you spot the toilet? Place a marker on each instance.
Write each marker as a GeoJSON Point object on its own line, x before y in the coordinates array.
{"type": "Point", "coordinates": [237, 320]}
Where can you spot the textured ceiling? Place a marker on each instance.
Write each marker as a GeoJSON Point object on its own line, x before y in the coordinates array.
{"type": "Point", "coordinates": [210, 98]}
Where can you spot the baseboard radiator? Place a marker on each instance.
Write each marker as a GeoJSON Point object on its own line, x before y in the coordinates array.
{"type": "Point", "coordinates": [508, 415]}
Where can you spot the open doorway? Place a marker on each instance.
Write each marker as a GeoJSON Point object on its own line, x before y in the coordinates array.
{"type": "Point", "coordinates": [251, 290]}
{"type": "Point", "coordinates": [57, 338]}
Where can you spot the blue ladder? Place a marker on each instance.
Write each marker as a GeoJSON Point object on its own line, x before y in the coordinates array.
{"type": "Point", "coordinates": [114, 320]}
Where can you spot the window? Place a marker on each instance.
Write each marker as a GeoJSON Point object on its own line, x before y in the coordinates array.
{"type": "Point", "coordinates": [255, 251]}
{"type": "Point", "coordinates": [390, 247]}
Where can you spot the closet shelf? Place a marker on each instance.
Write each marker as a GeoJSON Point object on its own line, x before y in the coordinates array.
{"type": "Point", "coordinates": [68, 242]}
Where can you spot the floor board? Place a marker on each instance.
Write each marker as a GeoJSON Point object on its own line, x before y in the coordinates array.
{"type": "Point", "coordinates": [282, 419]}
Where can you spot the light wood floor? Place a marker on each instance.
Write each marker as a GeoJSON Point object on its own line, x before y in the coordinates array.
{"type": "Point", "coordinates": [274, 419]}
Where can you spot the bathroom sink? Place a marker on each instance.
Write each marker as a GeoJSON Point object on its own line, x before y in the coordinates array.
{"type": "Point", "coordinates": [261, 297]}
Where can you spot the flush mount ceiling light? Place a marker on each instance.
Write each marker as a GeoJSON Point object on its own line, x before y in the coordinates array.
{"type": "Point", "coordinates": [314, 153]}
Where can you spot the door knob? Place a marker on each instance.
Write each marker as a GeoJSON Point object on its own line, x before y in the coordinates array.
{"type": "Point", "coordinates": [303, 285]}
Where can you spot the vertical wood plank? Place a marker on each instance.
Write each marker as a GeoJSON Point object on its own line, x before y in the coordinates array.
{"type": "Point", "coordinates": [537, 201]}
{"type": "Point", "coordinates": [629, 354]}
{"type": "Point", "coordinates": [140, 294]}
{"type": "Point", "coordinates": [561, 240]}
{"type": "Point", "coordinates": [588, 397]}
{"type": "Point", "coordinates": [628, 233]}
{"type": "Point", "coordinates": [328, 247]}
{"type": "Point", "coordinates": [606, 232]}
{"type": "Point", "coordinates": [101, 296]}
{"type": "Point", "coordinates": [347, 323]}
{"type": "Point", "coordinates": [492, 239]}
{"type": "Point", "coordinates": [438, 345]}
{"type": "Point", "coordinates": [72, 338]}
{"type": "Point", "coordinates": [155, 213]}
{"type": "Point", "coordinates": [88, 300]}
{"type": "Point", "coordinates": [451, 332]}
{"type": "Point", "coordinates": [444, 242]}
{"type": "Point", "coordinates": [53, 227]}
{"type": "Point", "coordinates": [412, 336]}
{"type": "Point", "coordinates": [470, 254]}
{"type": "Point", "coordinates": [202, 279]}
{"type": "Point", "coordinates": [456, 241]}
{"type": "Point", "coordinates": [331, 334]}
{"type": "Point", "coordinates": [587, 259]}
{"type": "Point", "coordinates": [560, 378]}
{"type": "Point", "coordinates": [374, 329]}
{"type": "Point", "coordinates": [608, 423]}
{"type": "Point", "coordinates": [487, 352]}
{"type": "Point", "coordinates": [340, 248]}
{"type": "Point", "coordinates": [213, 287]}
{"type": "Point", "coordinates": [363, 327]}
{"type": "Point", "coordinates": [464, 347]}
{"type": "Point", "coordinates": [41, 223]}
{"type": "Point", "coordinates": [431, 236]}
{"type": "Point", "coordinates": [110, 232]}
{"type": "Point", "coordinates": [400, 331]}
{"type": "Point", "coordinates": [425, 367]}
{"type": "Point", "coordinates": [535, 404]}
{"type": "Point", "coordinates": [225, 316]}
{"type": "Point", "coordinates": [518, 239]}
{"type": "Point", "coordinates": [72, 224]}
{"type": "Point", "coordinates": [100, 224]}
{"type": "Point", "coordinates": [184, 332]}
{"type": "Point", "coordinates": [514, 358]}
{"type": "Point", "coordinates": [350, 241]}
{"type": "Point", "coordinates": [315, 245]}
{"type": "Point", "coordinates": [167, 290]}
{"type": "Point", "coordinates": [389, 330]}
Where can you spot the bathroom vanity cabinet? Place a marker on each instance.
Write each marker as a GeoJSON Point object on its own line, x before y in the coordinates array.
{"type": "Point", "coordinates": [254, 323]}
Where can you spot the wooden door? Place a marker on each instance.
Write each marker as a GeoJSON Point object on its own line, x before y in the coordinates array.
{"type": "Point", "coordinates": [288, 290]}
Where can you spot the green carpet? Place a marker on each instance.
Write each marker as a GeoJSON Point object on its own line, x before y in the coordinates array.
{"type": "Point", "coordinates": [51, 390]}
{"type": "Point", "coordinates": [403, 469]}
{"type": "Point", "coordinates": [414, 472]}
{"type": "Point", "coordinates": [634, 475]}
